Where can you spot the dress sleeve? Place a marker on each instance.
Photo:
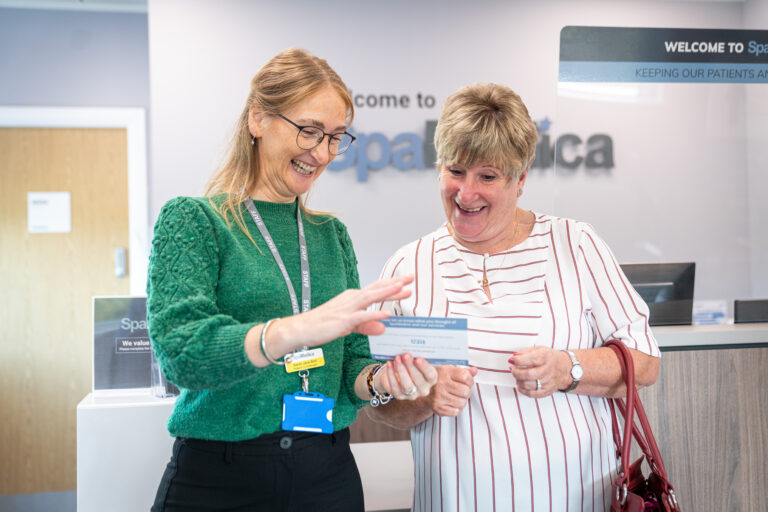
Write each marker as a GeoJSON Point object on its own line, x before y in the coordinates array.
{"type": "Point", "coordinates": [197, 346]}
{"type": "Point", "coordinates": [357, 352]}
{"type": "Point", "coordinates": [618, 310]}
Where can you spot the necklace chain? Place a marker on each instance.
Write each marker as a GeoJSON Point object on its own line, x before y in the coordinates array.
{"type": "Point", "coordinates": [484, 280]}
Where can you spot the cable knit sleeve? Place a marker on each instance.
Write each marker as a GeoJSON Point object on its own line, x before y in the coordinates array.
{"type": "Point", "coordinates": [357, 352]}
{"type": "Point", "coordinates": [197, 346]}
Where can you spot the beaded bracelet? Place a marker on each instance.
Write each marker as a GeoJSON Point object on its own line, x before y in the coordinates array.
{"type": "Point", "coordinates": [376, 398]}
{"type": "Point", "coordinates": [263, 343]}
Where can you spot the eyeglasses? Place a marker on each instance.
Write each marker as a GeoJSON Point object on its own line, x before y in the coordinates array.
{"type": "Point", "coordinates": [309, 137]}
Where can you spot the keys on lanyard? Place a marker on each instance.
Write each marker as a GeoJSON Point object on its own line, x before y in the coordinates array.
{"type": "Point", "coordinates": [304, 374]}
{"type": "Point", "coordinates": [302, 411]}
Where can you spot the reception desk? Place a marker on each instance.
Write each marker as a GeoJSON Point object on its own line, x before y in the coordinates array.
{"type": "Point", "coordinates": [707, 337]}
{"type": "Point", "coordinates": [709, 411]}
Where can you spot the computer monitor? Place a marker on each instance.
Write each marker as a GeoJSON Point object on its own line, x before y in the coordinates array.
{"type": "Point", "coordinates": [667, 288]}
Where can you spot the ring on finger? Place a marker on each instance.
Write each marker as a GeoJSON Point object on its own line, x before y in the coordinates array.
{"type": "Point", "coordinates": [538, 385]}
{"type": "Point", "coordinates": [410, 392]}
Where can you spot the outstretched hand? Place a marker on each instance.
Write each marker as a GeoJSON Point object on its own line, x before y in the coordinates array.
{"type": "Point", "coordinates": [347, 312]}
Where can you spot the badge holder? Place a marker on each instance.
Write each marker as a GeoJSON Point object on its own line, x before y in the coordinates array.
{"type": "Point", "coordinates": [304, 411]}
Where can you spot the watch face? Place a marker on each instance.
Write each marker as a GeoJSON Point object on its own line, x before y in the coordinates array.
{"type": "Point", "coordinates": [577, 372]}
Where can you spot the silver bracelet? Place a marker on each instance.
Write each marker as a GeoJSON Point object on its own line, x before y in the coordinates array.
{"type": "Point", "coordinates": [263, 343]}
{"type": "Point", "coordinates": [376, 398]}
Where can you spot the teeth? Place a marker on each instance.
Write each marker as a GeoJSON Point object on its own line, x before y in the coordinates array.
{"type": "Point", "coordinates": [303, 168]}
{"type": "Point", "coordinates": [468, 210]}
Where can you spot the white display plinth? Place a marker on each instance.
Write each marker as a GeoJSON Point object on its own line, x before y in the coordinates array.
{"type": "Point", "coordinates": [123, 447]}
{"type": "Point", "coordinates": [122, 450]}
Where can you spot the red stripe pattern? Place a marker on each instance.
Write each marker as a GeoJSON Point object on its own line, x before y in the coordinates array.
{"type": "Point", "coordinates": [560, 288]}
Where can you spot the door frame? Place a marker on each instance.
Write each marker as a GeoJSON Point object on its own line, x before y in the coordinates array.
{"type": "Point", "coordinates": [134, 122]}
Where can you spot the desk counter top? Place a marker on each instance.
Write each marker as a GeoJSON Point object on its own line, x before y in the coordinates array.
{"type": "Point", "coordinates": [686, 337]}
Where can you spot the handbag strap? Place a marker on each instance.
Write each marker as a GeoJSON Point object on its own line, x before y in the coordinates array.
{"type": "Point", "coordinates": [628, 409]}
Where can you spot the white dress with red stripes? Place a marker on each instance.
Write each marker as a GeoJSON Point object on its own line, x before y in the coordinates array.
{"type": "Point", "coordinates": [560, 288]}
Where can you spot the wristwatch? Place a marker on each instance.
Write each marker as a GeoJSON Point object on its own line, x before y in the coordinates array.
{"type": "Point", "coordinates": [577, 372]}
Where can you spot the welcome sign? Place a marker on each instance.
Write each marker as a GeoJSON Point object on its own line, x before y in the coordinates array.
{"type": "Point", "coordinates": [626, 54]}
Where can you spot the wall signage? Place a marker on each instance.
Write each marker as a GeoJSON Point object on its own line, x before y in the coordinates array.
{"type": "Point", "coordinates": [121, 347]}
{"type": "Point", "coordinates": [629, 54]}
{"type": "Point", "coordinates": [49, 212]}
{"type": "Point", "coordinates": [411, 151]}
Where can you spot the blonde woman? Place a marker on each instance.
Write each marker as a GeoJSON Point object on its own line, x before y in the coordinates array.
{"type": "Point", "coordinates": [247, 279]}
{"type": "Point", "coordinates": [526, 426]}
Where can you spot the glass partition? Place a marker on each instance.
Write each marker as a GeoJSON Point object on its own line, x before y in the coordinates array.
{"type": "Point", "coordinates": [659, 143]}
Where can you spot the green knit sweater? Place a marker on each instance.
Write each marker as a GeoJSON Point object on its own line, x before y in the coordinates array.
{"type": "Point", "coordinates": [208, 285]}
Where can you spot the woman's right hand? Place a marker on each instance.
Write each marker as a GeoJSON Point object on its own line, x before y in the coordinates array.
{"type": "Point", "coordinates": [346, 313]}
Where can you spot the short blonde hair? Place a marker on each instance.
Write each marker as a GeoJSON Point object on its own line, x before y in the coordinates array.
{"type": "Point", "coordinates": [486, 123]}
{"type": "Point", "coordinates": [289, 78]}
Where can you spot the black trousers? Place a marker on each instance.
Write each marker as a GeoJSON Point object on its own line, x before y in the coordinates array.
{"type": "Point", "coordinates": [284, 471]}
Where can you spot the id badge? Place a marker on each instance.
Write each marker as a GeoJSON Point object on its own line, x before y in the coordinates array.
{"type": "Point", "coordinates": [304, 360]}
{"type": "Point", "coordinates": [308, 412]}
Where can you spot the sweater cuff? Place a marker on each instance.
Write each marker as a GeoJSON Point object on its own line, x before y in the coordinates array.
{"type": "Point", "coordinates": [221, 362]}
{"type": "Point", "coordinates": [228, 350]}
{"type": "Point", "coordinates": [353, 368]}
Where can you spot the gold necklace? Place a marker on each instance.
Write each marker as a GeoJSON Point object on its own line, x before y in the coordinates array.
{"type": "Point", "coordinates": [484, 280]}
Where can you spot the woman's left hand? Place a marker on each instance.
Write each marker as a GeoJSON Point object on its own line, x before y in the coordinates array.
{"type": "Point", "coordinates": [540, 371]}
{"type": "Point", "coordinates": [407, 378]}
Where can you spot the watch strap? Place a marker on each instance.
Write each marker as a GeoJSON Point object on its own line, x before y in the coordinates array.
{"type": "Point", "coordinates": [574, 363]}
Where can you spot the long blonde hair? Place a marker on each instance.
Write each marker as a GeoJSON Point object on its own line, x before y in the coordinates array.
{"type": "Point", "coordinates": [286, 80]}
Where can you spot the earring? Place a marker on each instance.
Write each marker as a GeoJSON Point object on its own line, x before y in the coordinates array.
{"type": "Point", "coordinates": [519, 192]}
{"type": "Point", "coordinates": [253, 140]}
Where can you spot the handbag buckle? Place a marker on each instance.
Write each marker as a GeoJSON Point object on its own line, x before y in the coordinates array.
{"type": "Point", "coordinates": [672, 499]}
{"type": "Point", "coordinates": [621, 494]}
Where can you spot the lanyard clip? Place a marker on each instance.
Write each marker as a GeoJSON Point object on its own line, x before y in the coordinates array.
{"type": "Point", "coordinates": [304, 374]}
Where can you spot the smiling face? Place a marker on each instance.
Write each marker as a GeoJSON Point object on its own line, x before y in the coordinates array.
{"type": "Point", "coordinates": [480, 204]}
{"type": "Point", "coordinates": [288, 171]}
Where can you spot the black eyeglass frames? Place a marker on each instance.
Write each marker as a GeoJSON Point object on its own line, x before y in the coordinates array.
{"type": "Point", "coordinates": [309, 137]}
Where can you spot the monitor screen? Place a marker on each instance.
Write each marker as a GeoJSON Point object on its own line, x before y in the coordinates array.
{"type": "Point", "coordinates": [667, 288]}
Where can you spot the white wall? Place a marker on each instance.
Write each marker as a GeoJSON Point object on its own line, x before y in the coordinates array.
{"type": "Point", "coordinates": [73, 59]}
{"type": "Point", "coordinates": [203, 54]}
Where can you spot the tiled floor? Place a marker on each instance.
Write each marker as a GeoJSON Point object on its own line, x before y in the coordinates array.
{"type": "Point", "coordinates": [53, 502]}
{"type": "Point", "coordinates": [43, 502]}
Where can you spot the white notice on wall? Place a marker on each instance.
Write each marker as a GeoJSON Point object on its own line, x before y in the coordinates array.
{"type": "Point", "coordinates": [49, 212]}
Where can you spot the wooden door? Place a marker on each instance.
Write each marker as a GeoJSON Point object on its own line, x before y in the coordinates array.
{"type": "Point", "coordinates": [46, 285]}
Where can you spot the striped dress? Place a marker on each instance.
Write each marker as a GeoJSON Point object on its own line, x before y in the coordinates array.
{"type": "Point", "coordinates": [560, 288]}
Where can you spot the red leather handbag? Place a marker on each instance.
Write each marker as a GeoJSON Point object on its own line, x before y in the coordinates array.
{"type": "Point", "coordinates": [632, 490]}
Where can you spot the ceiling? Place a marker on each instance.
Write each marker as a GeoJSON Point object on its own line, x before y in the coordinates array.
{"type": "Point", "coordinates": [80, 5]}
{"type": "Point", "coordinates": [141, 5]}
